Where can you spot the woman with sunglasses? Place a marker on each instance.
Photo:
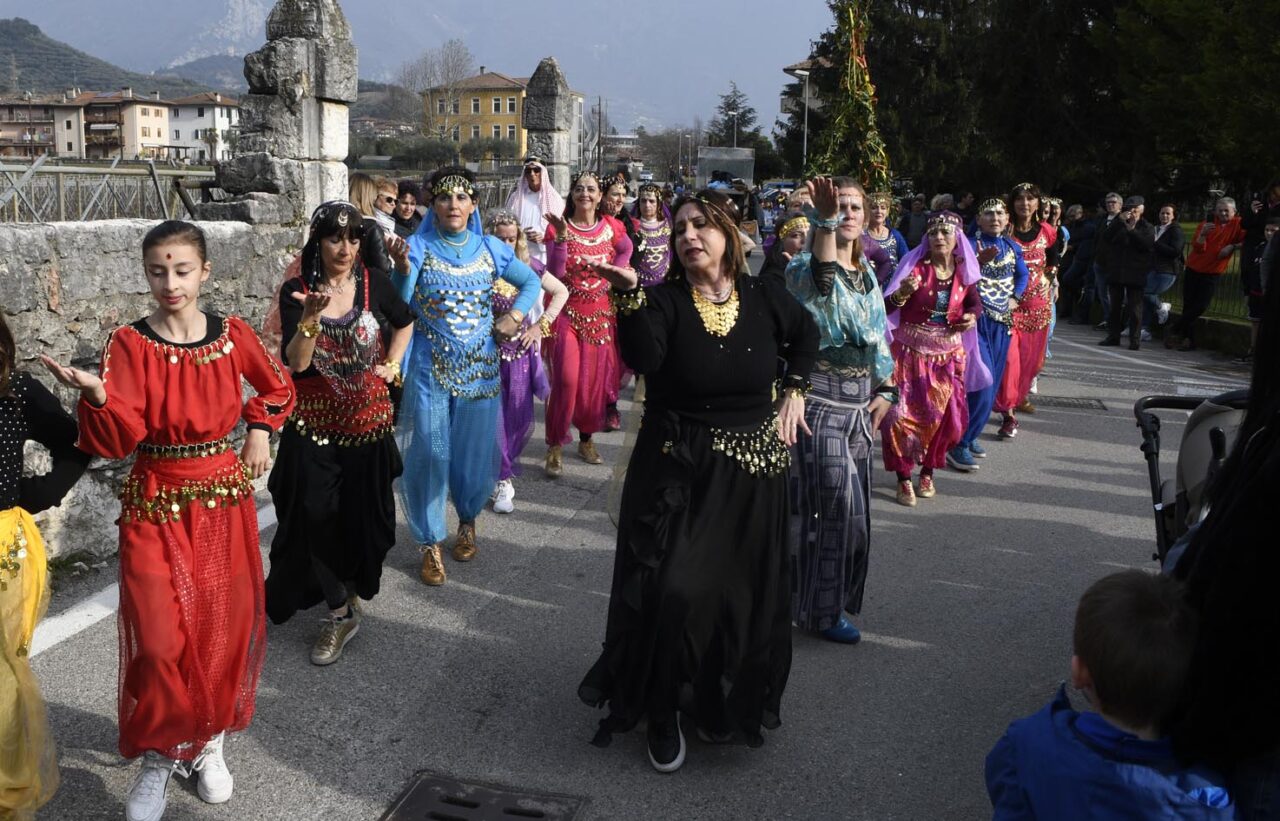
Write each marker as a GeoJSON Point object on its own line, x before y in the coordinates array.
{"type": "Point", "coordinates": [699, 616]}
{"type": "Point", "coordinates": [583, 356]}
{"type": "Point", "coordinates": [933, 307]}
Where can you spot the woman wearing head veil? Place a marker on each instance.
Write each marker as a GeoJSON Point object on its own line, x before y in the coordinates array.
{"type": "Point", "coordinates": [583, 356]}
{"type": "Point", "coordinates": [533, 198]}
{"type": "Point", "coordinates": [1039, 244]}
{"type": "Point", "coordinates": [852, 391]}
{"type": "Point", "coordinates": [933, 306]}
{"type": "Point", "coordinates": [452, 392]}
{"type": "Point", "coordinates": [337, 459]}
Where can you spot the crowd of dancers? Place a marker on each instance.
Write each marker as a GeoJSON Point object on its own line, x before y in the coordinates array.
{"type": "Point", "coordinates": [403, 356]}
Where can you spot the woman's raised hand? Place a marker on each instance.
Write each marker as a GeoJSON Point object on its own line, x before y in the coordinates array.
{"type": "Point", "coordinates": [89, 385]}
{"type": "Point", "coordinates": [559, 223]}
{"type": "Point", "coordinates": [623, 279]}
{"type": "Point", "coordinates": [823, 192]}
{"type": "Point", "coordinates": [313, 304]}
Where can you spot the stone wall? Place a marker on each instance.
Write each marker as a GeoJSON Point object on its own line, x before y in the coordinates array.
{"type": "Point", "coordinates": [64, 286]}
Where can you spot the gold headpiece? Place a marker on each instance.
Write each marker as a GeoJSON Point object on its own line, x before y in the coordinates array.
{"type": "Point", "coordinates": [881, 196]}
{"type": "Point", "coordinates": [1023, 186]}
{"type": "Point", "coordinates": [794, 224]}
{"type": "Point", "coordinates": [453, 184]}
{"type": "Point", "coordinates": [1052, 201]}
{"type": "Point", "coordinates": [583, 175]}
{"type": "Point", "coordinates": [993, 204]}
{"type": "Point", "coordinates": [948, 222]}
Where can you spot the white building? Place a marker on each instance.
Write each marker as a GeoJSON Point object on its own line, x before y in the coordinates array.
{"type": "Point", "coordinates": [201, 126]}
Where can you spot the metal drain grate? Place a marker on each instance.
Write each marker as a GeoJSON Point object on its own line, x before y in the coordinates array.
{"type": "Point", "coordinates": [431, 797]}
{"type": "Point", "coordinates": [1072, 402]}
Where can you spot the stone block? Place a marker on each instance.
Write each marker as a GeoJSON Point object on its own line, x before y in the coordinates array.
{"type": "Point", "coordinates": [281, 66]}
{"type": "Point", "coordinates": [255, 209]}
{"type": "Point", "coordinates": [548, 104]}
{"type": "Point", "coordinates": [323, 181]}
{"type": "Point", "coordinates": [260, 172]}
{"type": "Point", "coordinates": [336, 71]}
{"type": "Point", "coordinates": [310, 19]}
{"type": "Point", "coordinates": [333, 134]}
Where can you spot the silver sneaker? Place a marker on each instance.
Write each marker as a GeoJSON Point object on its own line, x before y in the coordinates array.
{"type": "Point", "coordinates": [150, 791]}
{"type": "Point", "coordinates": [1162, 313]}
{"type": "Point", "coordinates": [335, 632]}
{"type": "Point", "coordinates": [504, 497]}
{"type": "Point", "coordinates": [214, 783]}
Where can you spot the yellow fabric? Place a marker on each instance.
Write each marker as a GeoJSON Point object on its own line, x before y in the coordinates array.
{"type": "Point", "coordinates": [28, 764]}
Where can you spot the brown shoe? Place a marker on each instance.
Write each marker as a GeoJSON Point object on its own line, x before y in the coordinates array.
{"type": "Point", "coordinates": [555, 465]}
{"type": "Point", "coordinates": [432, 572]}
{"type": "Point", "coordinates": [587, 450]}
{"type": "Point", "coordinates": [464, 548]}
{"type": "Point", "coordinates": [1026, 407]}
{"type": "Point", "coordinates": [906, 493]}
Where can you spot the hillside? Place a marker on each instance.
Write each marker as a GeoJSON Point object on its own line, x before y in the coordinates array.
{"type": "Point", "coordinates": [223, 72]}
{"type": "Point", "coordinates": [32, 61]}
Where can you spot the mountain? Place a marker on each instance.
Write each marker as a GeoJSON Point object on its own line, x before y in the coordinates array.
{"type": "Point", "coordinates": [223, 71]}
{"type": "Point", "coordinates": [32, 61]}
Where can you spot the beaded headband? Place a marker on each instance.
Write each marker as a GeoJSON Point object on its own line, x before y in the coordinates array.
{"type": "Point", "coordinates": [650, 188]}
{"type": "Point", "coordinates": [993, 204]}
{"type": "Point", "coordinates": [949, 223]}
{"type": "Point", "coordinates": [729, 209]}
{"type": "Point", "coordinates": [503, 217]}
{"type": "Point", "coordinates": [611, 181]}
{"type": "Point", "coordinates": [1024, 186]}
{"type": "Point", "coordinates": [794, 224]}
{"type": "Point", "coordinates": [880, 196]}
{"type": "Point", "coordinates": [1053, 201]}
{"type": "Point", "coordinates": [453, 184]}
{"type": "Point", "coordinates": [346, 212]}
{"type": "Point", "coordinates": [583, 175]}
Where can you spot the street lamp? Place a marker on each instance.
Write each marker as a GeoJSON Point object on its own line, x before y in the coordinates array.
{"type": "Point", "coordinates": [31, 136]}
{"type": "Point", "coordinates": [734, 115]}
{"type": "Point", "coordinates": [689, 137]}
{"type": "Point", "coordinates": [800, 72]}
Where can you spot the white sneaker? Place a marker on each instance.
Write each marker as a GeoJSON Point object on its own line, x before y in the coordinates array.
{"type": "Point", "coordinates": [504, 497]}
{"type": "Point", "coordinates": [149, 793]}
{"type": "Point", "coordinates": [214, 782]}
{"type": "Point", "coordinates": [1035, 384]}
{"type": "Point", "coordinates": [1146, 335]}
{"type": "Point", "coordinates": [1162, 313]}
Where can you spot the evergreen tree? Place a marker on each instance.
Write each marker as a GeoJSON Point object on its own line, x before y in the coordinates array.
{"type": "Point", "coordinates": [721, 129]}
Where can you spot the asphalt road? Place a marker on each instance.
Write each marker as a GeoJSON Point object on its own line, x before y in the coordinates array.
{"type": "Point", "coordinates": [967, 623]}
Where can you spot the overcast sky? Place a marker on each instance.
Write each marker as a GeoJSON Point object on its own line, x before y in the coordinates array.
{"type": "Point", "coordinates": [658, 62]}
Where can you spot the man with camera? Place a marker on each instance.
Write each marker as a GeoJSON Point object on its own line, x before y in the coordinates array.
{"type": "Point", "coordinates": [1128, 240]}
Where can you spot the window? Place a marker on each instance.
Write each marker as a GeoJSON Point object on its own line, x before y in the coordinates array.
{"type": "Point", "coordinates": [68, 128]}
{"type": "Point", "coordinates": [511, 105]}
{"type": "Point", "coordinates": [173, 113]}
{"type": "Point", "coordinates": [70, 148]}
{"type": "Point", "coordinates": [177, 135]}
{"type": "Point", "coordinates": [475, 105]}
{"type": "Point", "coordinates": [146, 132]}
{"type": "Point", "coordinates": [475, 132]}
{"type": "Point", "coordinates": [497, 105]}
{"type": "Point", "coordinates": [195, 134]}
{"type": "Point", "coordinates": [440, 106]}
{"type": "Point", "coordinates": [455, 106]}
{"type": "Point", "coordinates": [146, 112]}
{"type": "Point", "coordinates": [511, 132]}
{"type": "Point", "coordinates": [200, 113]}
{"type": "Point", "coordinates": [456, 133]}
{"type": "Point", "coordinates": [497, 132]}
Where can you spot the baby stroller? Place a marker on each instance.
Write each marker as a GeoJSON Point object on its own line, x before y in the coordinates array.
{"type": "Point", "coordinates": [1182, 501]}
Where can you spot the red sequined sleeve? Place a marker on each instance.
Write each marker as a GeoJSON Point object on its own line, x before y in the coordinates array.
{"type": "Point", "coordinates": [275, 397]}
{"type": "Point", "coordinates": [115, 429]}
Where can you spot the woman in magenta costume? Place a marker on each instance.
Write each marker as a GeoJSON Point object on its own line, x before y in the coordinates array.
{"type": "Point", "coordinates": [932, 304]}
{"type": "Point", "coordinates": [1039, 243]}
{"type": "Point", "coordinates": [520, 365]}
{"type": "Point", "coordinates": [583, 355]}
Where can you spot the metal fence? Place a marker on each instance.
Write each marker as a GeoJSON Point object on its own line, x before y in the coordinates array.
{"type": "Point", "coordinates": [1229, 300]}
{"type": "Point", "coordinates": [44, 191]}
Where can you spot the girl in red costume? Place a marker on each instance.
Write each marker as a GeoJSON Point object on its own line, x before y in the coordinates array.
{"type": "Point", "coordinates": [583, 356]}
{"type": "Point", "coordinates": [1040, 250]}
{"type": "Point", "coordinates": [192, 617]}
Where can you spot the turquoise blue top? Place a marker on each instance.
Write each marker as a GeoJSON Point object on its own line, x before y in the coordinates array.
{"type": "Point", "coordinates": [452, 294]}
{"type": "Point", "coordinates": [852, 324]}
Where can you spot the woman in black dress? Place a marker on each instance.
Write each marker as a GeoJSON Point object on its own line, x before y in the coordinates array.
{"type": "Point", "coordinates": [699, 617]}
{"type": "Point", "coordinates": [337, 459]}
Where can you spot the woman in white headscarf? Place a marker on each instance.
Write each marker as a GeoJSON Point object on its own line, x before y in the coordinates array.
{"type": "Point", "coordinates": [533, 198]}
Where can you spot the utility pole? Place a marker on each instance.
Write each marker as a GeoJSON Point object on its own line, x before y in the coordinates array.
{"type": "Point", "coordinates": [599, 136]}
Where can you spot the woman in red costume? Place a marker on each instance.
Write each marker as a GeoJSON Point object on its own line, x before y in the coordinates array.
{"type": "Point", "coordinates": [1039, 243]}
{"type": "Point", "coordinates": [583, 356]}
{"type": "Point", "coordinates": [192, 617]}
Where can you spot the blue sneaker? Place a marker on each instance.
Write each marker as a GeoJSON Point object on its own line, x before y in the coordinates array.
{"type": "Point", "coordinates": [844, 632]}
{"type": "Point", "coordinates": [960, 459]}
{"type": "Point", "coordinates": [976, 450]}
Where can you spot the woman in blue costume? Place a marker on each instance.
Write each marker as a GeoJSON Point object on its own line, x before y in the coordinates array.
{"type": "Point", "coordinates": [452, 391]}
{"type": "Point", "coordinates": [1004, 279]}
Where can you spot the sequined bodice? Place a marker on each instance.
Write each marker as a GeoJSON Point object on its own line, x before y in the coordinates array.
{"type": "Point", "coordinates": [997, 282]}
{"type": "Point", "coordinates": [504, 299]}
{"type": "Point", "coordinates": [654, 259]}
{"type": "Point", "coordinates": [455, 314]}
{"type": "Point", "coordinates": [589, 309]}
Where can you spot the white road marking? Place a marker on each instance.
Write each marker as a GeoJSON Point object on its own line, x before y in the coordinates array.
{"type": "Point", "coordinates": [1010, 550]}
{"type": "Point", "coordinates": [1143, 567]}
{"type": "Point", "coordinates": [88, 612]}
{"type": "Point", "coordinates": [1132, 360]}
{"type": "Point", "coordinates": [895, 642]}
{"type": "Point", "coordinates": [960, 584]}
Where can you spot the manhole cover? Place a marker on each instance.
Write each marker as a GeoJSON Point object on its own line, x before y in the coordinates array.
{"type": "Point", "coordinates": [1073, 402]}
{"type": "Point", "coordinates": [431, 797]}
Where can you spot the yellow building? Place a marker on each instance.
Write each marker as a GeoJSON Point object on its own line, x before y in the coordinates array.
{"type": "Point", "coordinates": [487, 106]}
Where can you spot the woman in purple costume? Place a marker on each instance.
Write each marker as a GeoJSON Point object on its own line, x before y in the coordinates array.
{"type": "Point", "coordinates": [652, 259]}
{"type": "Point", "coordinates": [521, 369]}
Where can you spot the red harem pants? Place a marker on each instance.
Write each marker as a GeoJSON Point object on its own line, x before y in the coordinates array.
{"type": "Point", "coordinates": [582, 374]}
{"type": "Point", "coordinates": [192, 613]}
{"type": "Point", "coordinates": [1027, 346]}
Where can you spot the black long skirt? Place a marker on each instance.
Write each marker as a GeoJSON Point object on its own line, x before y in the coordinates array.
{"type": "Point", "coordinates": [334, 505]}
{"type": "Point", "coordinates": [699, 615]}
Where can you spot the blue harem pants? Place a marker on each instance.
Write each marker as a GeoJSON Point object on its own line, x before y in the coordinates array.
{"type": "Point", "coordinates": [993, 346]}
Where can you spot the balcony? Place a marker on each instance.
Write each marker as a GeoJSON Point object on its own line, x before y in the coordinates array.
{"type": "Point", "coordinates": [102, 139]}
{"type": "Point", "coordinates": [21, 116]}
{"type": "Point", "coordinates": [102, 117]}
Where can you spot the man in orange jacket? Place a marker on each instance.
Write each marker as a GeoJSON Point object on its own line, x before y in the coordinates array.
{"type": "Point", "coordinates": [1212, 246]}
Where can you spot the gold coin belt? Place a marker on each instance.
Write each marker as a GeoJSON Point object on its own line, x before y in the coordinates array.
{"type": "Point", "coordinates": [760, 452]}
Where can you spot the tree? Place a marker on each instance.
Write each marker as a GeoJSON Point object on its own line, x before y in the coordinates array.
{"type": "Point", "coordinates": [436, 79]}
{"type": "Point", "coordinates": [734, 117]}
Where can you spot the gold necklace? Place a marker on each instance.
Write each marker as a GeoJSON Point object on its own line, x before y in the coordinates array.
{"type": "Point", "coordinates": [717, 317]}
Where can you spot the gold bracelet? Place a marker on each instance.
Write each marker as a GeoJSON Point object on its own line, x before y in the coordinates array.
{"type": "Point", "coordinates": [396, 377]}
{"type": "Point", "coordinates": [518, 316]}
{"type": "Point", "coordinates": [793, 393]}
{"type": "Point", "coordinates": [310, 329]}
{"type": "Point", "coordinates": [545, 324]}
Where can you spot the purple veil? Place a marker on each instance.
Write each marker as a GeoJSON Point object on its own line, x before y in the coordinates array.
{"type": "Point", "coordinates": [976, 374]}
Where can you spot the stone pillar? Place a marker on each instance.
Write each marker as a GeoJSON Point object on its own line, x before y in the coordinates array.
{"type": "Point", "coordinates": [548, 119]}
{"type": "Point", "coordinates": [293, 121]}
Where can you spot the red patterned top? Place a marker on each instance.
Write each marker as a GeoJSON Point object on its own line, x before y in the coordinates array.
{"type": "Point", "coordinates": [1034, 311]}
{"type": "Point", "coordinates": [589, 309]}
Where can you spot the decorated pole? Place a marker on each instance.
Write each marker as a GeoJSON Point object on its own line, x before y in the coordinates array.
{"type": "Point", "coordinates": [851, 143]}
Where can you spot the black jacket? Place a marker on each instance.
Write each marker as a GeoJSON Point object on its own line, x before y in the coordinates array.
{"type": "Point", "coordinates": [1128, 252]}
{"type": "Point", "coordinates": [1167, 251]}
{"type": "Point", "coordinates": [373, 249]}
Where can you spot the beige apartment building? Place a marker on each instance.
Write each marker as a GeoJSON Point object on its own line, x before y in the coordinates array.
{"type": "Point", "coordinates": [32, 126]}
{"type": "Point", "coordinates": [121, 124]}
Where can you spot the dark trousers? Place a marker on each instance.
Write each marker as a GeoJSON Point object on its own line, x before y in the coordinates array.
{"type": "Point", "coordinates": [1126, 309]}
{"type": "Point", "coordinates": [1197, 293]}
